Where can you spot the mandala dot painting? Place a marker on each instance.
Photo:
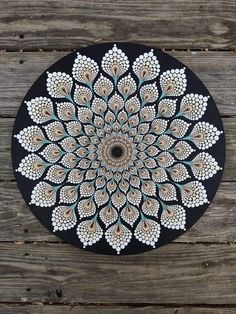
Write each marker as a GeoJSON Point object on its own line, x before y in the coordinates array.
{"type": "Point", "coordinates": [118, 148]}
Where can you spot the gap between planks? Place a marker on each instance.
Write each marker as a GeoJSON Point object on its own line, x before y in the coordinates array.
{"type": "Point", "coordinates": [158, 48]}
{"type": "Point", "coordinates": [62, 308]}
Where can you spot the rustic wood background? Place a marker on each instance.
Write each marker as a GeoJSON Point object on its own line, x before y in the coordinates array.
{"type": "Point", "coordinates": [41, 274]}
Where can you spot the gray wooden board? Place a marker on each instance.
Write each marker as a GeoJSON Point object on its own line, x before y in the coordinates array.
{"type": "Point", "coordinates": [56, 24]}
{"type": "Point", "coordinates": [177, 273]}
{"type": "Point", "coordinates": [40, 274]}
{"type": "Point", "coordinates": [108, 309]}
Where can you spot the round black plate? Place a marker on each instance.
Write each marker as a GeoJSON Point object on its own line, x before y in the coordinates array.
{"type": "Point", "coordinates": [118, 148]}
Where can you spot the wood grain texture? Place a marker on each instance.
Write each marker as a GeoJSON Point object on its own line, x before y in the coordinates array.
{"type": "Point", "coordinates": [56, 24]}
{"type": "Point", "coordinates": [39, 274]}
{"type": "Point", "coordinates": [173, 274]}
{"type": "Point", "coordinates": [115, 309]}
{"type": "Point", "coordinates": [6, 172]}
{"type": "Point", "coordinates": [17, 223]}
{"type": "Point", "coordinates": [20, 70]}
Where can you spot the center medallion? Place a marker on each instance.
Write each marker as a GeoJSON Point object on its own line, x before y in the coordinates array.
{"type": "Point", "coordinates": [117, 152]}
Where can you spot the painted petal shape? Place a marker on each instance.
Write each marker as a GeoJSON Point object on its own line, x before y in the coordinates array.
{"type": "Point", "coordinates": [31, 138]}
{"type": "Point", "coordinates": [101, 197]}
{"type": "Point", "coordinates": [132, 105]}
{"type": "Point", "coordinates": [150, 206]}
{"type": "Point", "coordinates": [75, 176]}
{"type": "Point", "coordinates": [173, 217]}
{"type": "Point", "coordinates": [115, 62]}
{"type": "Point", "coordinates": [179, 173]}
{"type": "Point", "coordinates": [204, 166]}
{"type": "Point", "coordinates": [40, 109]}
{"type": "Point", "coordinates": [204, 135]}
{"type": "Point", "coordinates": [167, 192]}
{"type": "Point", "coordinates": [193, 194]}
{"type": "Point", "coordinates": [87, 189]}
{"type": "Point", "coordinates": [85, 69]}
{"type": "Point", "coordinates": [182, 150]}
{"type": "Point", "coordinates": [86, 207]}
{"type": "Point", "coordinates": [134, 196]}
{"type": "Point", "coordinates": [108, 215]}
{"type": "Point", "coordinates": [56, 174]}
{"type": "Point", "coordinates": [116, 103]}
{"type": "Point", "coordinates": [148, 232]}
{"type": "Point", "coordinates": [55, 131]}
{"type": "Point", "coordinates": [149, 93]}
{"type": "Point", "coordinates": [179, 128]}
{"type": "Point", "coordinates": [99, 106]}
{"type": "Point", "coordinates": [68, 194]}
{"type": "Point", "coordinates": [52, 153]}
{"type": "Point", "coordinates": [89, 232]}
{"type": "Point", "coordinates": [43, 195]}
{"type": "Point", "coordinates": [165, 142]}
{"type": "Point", "coordinates": [146, 66]}
{"type": "Point", "coordinates": [103, 86]}
{"type": "Point", "coordinates": [32, 167]}
{"type": "Point", "coordinates": [193, 106]}
{"type": "Point", "coordinates": [66, 111]}
{"type": "Point", "coordinates": [73, 128]}
{"type": "Point", "coordinates": [159, 126]}
{"type": "Point", "coordinates": [129, 214]}
{"type": "Point", "coordinates": [118, 199]}
{"type": "Point", "coordinates": [127, 86]}
{"type": "Point", "coordinates": [63, 218]}
{"type": "Point", "coordinates": [148, 113]}
{"type": "Point", "coordinates": [167, 108]}
{"type": "Point", "coordinates": [118, 236]}
{"type": "Point", "coordinates": [85, 115]}
{"type": "Point", "coordinates": [159, 175]}
{"type": "Point", "coordinates": [148, 188]}
{"type": "Point", "coordinates": [59, 84]}
{"type": "Point", "coordinates": [173, 82]}
{"type": "Point", "coordinates": [82, 95]}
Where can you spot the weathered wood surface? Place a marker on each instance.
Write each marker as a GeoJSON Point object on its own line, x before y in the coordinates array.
{"type": "Point", "coordinates": [174, 274]}
{"type": "Point", "coordinates": [21, 69]}
{"type": "Point", "coordinates": [17, 223]}
{"type": "Point", "coordinates": [56, 24]}
{"type": "Point", "coordinates": [108, 309]}
{"type": "Point", "coordinates": [6, 172]}
{"type": "Point", "coordinates": [41, 274]}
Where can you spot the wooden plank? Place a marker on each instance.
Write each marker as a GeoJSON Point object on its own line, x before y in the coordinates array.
{"type": "Point", "coordinates": [17, 223]}
{"type": "Point", "coordinates": [174, 274]}
{"type": "Point", "coordinates": [115, 309]}
{"type": "Point", "coordinates": [55, 25]}
{"type": "Point", "coordinates": [6, 125]}
{"type": "Point", "coordinates": [216, 69]}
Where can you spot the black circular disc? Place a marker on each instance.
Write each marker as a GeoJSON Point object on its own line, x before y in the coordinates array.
{"type": "Point", "coordinates": [118, 148]}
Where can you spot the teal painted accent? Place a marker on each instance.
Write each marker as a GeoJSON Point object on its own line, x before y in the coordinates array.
{"type": "Point", "coordinates": [68, 97]}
